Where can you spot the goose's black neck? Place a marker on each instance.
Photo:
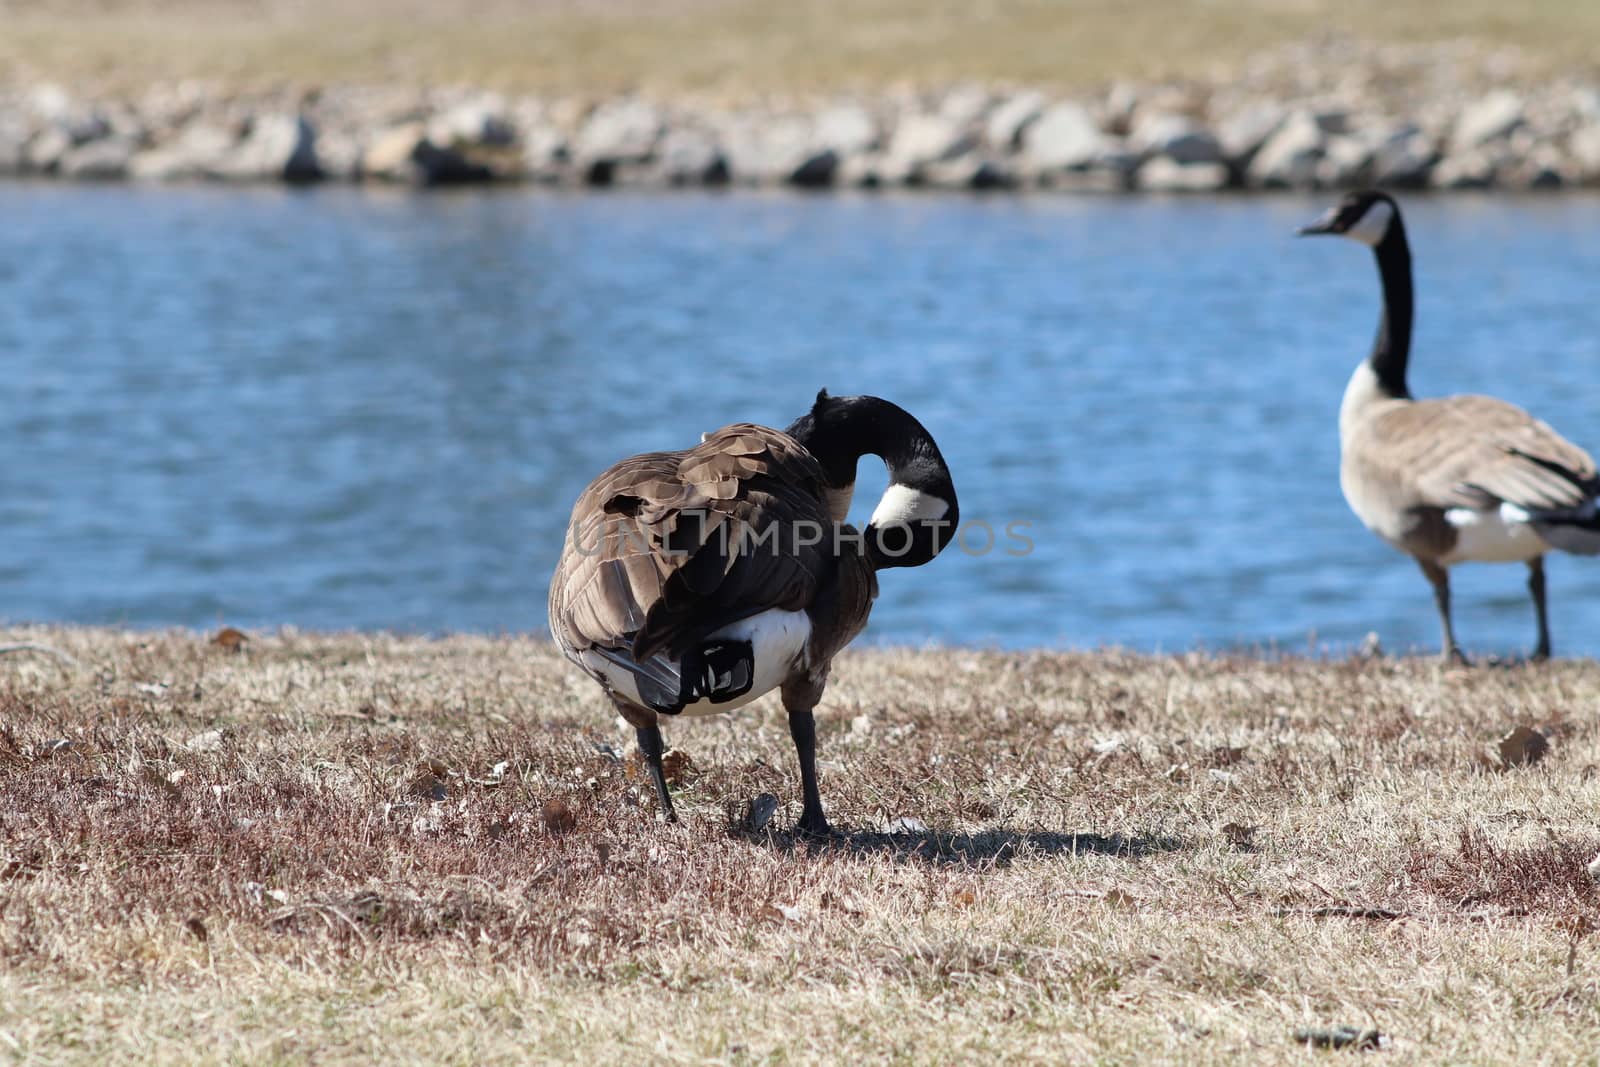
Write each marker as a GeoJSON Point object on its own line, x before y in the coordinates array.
{"type": "Point", "coordinates": [839, 430]}
{"type": "Point", "coordinates": [1392, 348]}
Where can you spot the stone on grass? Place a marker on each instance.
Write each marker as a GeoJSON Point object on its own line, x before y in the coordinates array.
{"type": "Point", "coordinates": [1006, 123]}
{"type": "Point", "coordinates": [1493, 118]}
{"type": "Point", "coordinates": [1063, 137]}
{"type": "Point", "coordinates": [1290, 156]}
{"type": "Point", "coordinates": [1163, 174]}
{"type": "Point", "coordinates": [278, 147]}
{"type": "Point", "coordinates": [103, 160]}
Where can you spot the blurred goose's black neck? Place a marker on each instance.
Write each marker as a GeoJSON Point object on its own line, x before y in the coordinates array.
{"type": "Point", "coordinates": [1392, 348]}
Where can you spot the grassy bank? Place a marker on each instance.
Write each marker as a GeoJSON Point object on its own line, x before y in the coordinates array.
{"type": "Point", "coordinates": [352, 849]}
{"type": "Point", "coordinates": [739, 46]}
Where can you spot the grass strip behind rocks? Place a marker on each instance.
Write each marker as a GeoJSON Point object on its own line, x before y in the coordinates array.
{"type": "Point", "coordinates": [350, 848]}
{"type": "Point", "coordinates": [737, 46]}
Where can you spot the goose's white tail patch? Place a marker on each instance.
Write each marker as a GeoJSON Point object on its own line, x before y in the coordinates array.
{"type": "Point", "coordinates": [903, 504]}
{"type": "Point", "coordinates": [777, 641]}
{"type": "Point", "coordinates": [1502, 535]}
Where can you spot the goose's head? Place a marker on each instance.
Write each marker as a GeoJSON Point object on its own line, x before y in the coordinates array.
{"type": "Point", "coordinates": [918, 513]}
{"type": "Point", "coordinates": [1365, 216]}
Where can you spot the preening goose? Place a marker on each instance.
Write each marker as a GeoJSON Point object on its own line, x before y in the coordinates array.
{"type": "Point", "coordinates": [1456, 479]}
{"type": "Point", "coordinates": [694, 581]}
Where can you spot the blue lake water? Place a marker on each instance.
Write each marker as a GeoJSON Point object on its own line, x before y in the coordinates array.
{"type": "Point", "coordinates": [339, 408]}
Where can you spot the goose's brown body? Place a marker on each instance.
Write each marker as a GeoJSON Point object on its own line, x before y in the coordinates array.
{"type": "Point", "coordinates": [695, 581]}
{"type": "Point", "coordinates": [1406, 464]}
{"type": "Point", "coordinates": [667, 548]}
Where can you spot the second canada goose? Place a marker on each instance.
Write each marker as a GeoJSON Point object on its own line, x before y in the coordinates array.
{"type": "Point", "coordinates": [1455, 479]}
{"type": "Point", "coordinates": [693, 582]}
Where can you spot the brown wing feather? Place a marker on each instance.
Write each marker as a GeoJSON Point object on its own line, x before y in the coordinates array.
{"type": "Point", "coordinates": [1470, 451]}
{"type": "Point", "coordinates": [665, 547]}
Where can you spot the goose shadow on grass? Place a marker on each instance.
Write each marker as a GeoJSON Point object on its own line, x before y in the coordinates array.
{"type": "Point", "coordinates": [998, 847]}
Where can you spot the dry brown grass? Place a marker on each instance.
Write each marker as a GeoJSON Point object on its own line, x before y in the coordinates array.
{"type": "Point", "coordinates": [302, 852]}
{"type": "Point", "coordinates": [738, 46]}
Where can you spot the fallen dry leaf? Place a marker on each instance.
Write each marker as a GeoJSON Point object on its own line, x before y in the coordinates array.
{"type": "Point", "coordinates": [676, 765]}
{"type": "Point", "coordinates": [1523, 746]}
{"type": "Point", "coordinates": [1226, 756]}
{"type": "Point", "coordinates": [430, 782]}
{"type": "Point", "coordinates": [964, 898]}
{"type": "Point", "coordinates": [760, 811]}
{"type": "Point", "coordinates": [1339, 1037]}
{"type": "Point", "coordinates": [1120, 898]}
{"type": "Point", "coordinates": [558, 817]}
{"type": "Point", "coordinates": [229, 638]}
{"type": "Point", "coordinates": [1239, 835]}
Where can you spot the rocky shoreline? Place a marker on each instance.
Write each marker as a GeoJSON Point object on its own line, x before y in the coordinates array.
{"type": "Point", "coordinates": [1327, 116]}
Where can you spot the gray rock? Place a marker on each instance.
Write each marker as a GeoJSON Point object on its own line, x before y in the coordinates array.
{"type": "Point", "coordinates": [1542, 168]}
{"type": "Point", "coordinates": [1242, 133]}
{"type": "Point", "coordinates": [1474, 168]}
{"type": "Point", "coordinates": [690, 156]}
{"type": "Point", "coordinates": [965, 105]}
{"type": "Point", "coordinates": [919, 140]}
{"type": "Point", "coordinates": [1492, 118]}
{"type": "Point", "coordinates": [44, 152]}
{"type": "Point", "coordinates": [1163, 174]}
{"type": "Point", "coordinates": [405, 154]}
{"type": "Point", "coordinates": [1585, 104]}
{"type": "Point", "coordinates": [1404, 158]}
{"type": "Point", "coordinates": [483, 122]}
{"type": "Point", "coordinates": [1006, 123]}
{"type": "Point", "coordinates": [1346, 163]}
{"type": "Point", "coordinates": [970, 171]}
{"type": "Point", "coordinates": [1289, 158]}
{"type": "Point", "coordinates": [339, 154]}
{"type": "Point", "coordinates": [389, 153]}
{"type": "Point", "coordinates": [199, 148]}
{"type": "Point", "coordinates": [1063, 137]}
{"type": "Point", "coordinates": [872, 170]}
{"type": "Point", "coordinates": [1180, 139]}
{"type": "Point", "coordinates": [14, 137]}
{"type": "Point", "coordinates": [816, 171]}
{"type": "Point", "coordinates": [1585, 148]}
{"type": "Point", "coordinates": [1331, 120]}
{"type": "Point", "coordinates": [103, 160]}
{"type": "Point", "coordinates": [846, 129]}
{"type": "Point", "coordinates": [277, 148]}
{"type": "Point", "coordinates": [766, 150]}
{"type": "Point", "coordinates": [619, 131]}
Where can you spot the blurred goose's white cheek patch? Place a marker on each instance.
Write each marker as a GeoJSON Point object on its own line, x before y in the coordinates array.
{"type": "Point", "coordinates": [1372, 225]}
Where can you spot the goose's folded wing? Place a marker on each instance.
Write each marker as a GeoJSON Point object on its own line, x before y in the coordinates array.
{"type": "Point", "coordinates": [1473, 452]}
{"type": "Point", "coordinates": [666, 547]}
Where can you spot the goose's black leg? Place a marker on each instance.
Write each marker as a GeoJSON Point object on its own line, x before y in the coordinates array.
{"type": "Point", "coordinates": [651, 745]}
{"type": "Point", "coordinates": [1536, 588]}
{"type": "Point", "coordinates": [799, 697]}
{"type": "Point", "coordinates": [1439, 578]}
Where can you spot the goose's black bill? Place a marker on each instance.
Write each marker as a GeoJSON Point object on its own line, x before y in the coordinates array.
{"type": "Point", "coordinates": [1327, 224]}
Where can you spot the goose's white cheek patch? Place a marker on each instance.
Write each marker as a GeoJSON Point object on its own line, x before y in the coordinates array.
{"type": "Point", "coordinates": [902, 504]}
{"type": "Point", "coordinates": [1370, 227]}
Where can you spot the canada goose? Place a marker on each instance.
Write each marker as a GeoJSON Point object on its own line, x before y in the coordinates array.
{"type": "Point", "coordinates": [694, 581]}
{"type": "Point", "coordinates": [1455, 479]}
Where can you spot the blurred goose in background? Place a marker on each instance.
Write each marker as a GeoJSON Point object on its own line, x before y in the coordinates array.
{"type": "Point", "coordinates": [693, 582]}
{"type": "Point", "coordinates": [1456, 479]}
